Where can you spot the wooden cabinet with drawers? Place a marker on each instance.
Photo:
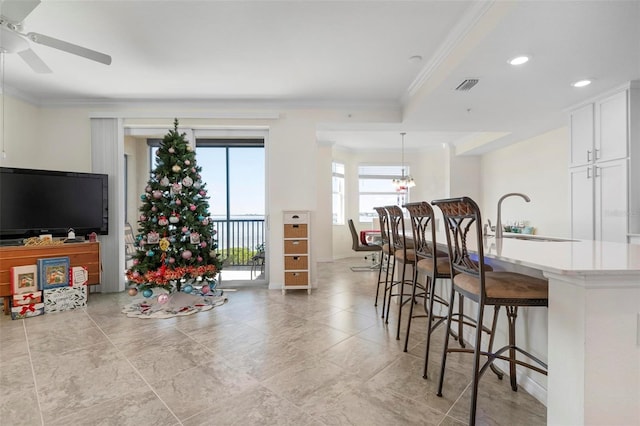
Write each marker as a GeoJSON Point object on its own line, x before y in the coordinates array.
{"type": "Point", "coordinates": [297, 258]}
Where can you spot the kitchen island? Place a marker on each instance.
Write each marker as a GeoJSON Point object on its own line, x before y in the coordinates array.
{"type": "Point", "coordinates": [593, 324]}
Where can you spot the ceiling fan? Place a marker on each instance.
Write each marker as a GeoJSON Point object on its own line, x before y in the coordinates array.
{"type": "Point", "coordinates": [13, 40]}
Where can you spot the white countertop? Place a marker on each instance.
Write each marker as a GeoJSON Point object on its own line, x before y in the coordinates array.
{"type": "Point", "coordinates": [566, 257]}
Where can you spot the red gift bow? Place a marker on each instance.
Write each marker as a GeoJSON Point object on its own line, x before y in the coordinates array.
{"type": "Point", "coordinates": [28, 296]}
{"type": "Point", "coordinates": [26, 308]}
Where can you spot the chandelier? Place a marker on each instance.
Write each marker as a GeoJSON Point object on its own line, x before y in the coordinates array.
{"type": "Point", "coordinates": [406, 181]}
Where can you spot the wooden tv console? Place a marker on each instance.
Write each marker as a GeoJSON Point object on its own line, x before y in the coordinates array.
{"type": "Point", "coordinates": [80, 254]}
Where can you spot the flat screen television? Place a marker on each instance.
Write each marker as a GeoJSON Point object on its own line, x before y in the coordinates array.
{"type": "Point", "coordinates": [36, 202]}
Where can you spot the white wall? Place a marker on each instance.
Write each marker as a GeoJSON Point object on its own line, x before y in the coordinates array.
{"type": "Point", "coordinates": [537, 167]}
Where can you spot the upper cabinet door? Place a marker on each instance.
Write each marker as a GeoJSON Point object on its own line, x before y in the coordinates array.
{"type": "Point", "coordinates": [582, 131]}
{"type": "Point", "coordinates": [612, 128]}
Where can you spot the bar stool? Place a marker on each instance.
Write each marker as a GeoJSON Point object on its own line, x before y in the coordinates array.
{"type": "Point", "coordinates": [402, 254]}
{"type": "Point", "coordinates": [385, 254]}
{"type": "Point", "coordinates": [486, 288]}
{"type": "Point", "coordinates": [434, 264]}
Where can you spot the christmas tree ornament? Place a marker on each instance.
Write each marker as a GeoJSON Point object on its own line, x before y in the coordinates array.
{"type": "Point", "coordinates": [163, 221]}
{"type": "Point", "coordinates": [178, 202]}
{"type": "Point", "coordinates": [174, 218]}
{"type": "Point", "coordinates": [176, 188]}
{"type": "Point", "coordinates": [192, 208]}
{"type": "Point", "coordinates": [186, 254]}
{"type": "Point", "coordinates": [203, 192]}
{"type": "Point", "coordinates": [147, 188]}
{"type": "Point", "coordinates": [143, 197]}
{"type": "Point", "coordinates": [176, 169]}
{"type": "Point", "coordinates": [157, 194]}
{"type": "Point", "coordinates": [150, 253]}
{"type": "Point", "coordinates": [193, 170]}
{"type": "Point", "coordinates": [200, 218]}
{"type": "Point", "coordinates": [154, 209]}
{"type": "Point", "coordinates": [205, 289]}
{"type": "Point", "coordinates": [203, 244]}
{"type": "Point", "coordinates": [163, 298]}
{"type": "Point", "coordinates": [187, 288]}
{"type": "Point", "coordinates": [185, 229]}
{"type": "Point", "coordinates": [154, 219]}
{"type": "Point", "coordinates": [187, 181]}
{"type": "Point", "coordinates": [189, 148]}
{"type": "Point", "coordinates": [165, 181]}
{"type": "Point", "coordinates": [164, 244]}
{"type": "Point", "coordinates": [199, 259]}
{"type": "Point", "coordinates": [132, 291]}
{"type": "Point", "coordinates": [197, 185]}
{"type": "Point", "coordinates": [205, 221]}
{"type": "Point", "coordinates": [142, 218]}
{"type": "Point", "coordinates": [171, 150]}
{"type": "Point", "coordinates": [187, 162]}
{"type": "Point", "coordinates": [136, 261]}
{"type": "Point", "coordinates": [147, 293]}
{"type": "Point", "coordinates": [172, 260]}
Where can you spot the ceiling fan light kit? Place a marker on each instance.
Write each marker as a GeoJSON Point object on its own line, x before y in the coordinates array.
{"type": "Point", "coordinates": [12, 40]}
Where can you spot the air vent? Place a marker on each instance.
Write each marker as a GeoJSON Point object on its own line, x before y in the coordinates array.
{"type": "Point", "coordinates": [467, 84]}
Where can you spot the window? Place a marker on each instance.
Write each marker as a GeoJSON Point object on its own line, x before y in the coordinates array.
{"type": "Point", "coordinates": [376, 189]}
{"type": "Point", "coordinates": [337, 170]}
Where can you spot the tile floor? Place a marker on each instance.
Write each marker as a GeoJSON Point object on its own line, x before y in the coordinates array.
{"type": "Point", "coordinates": [261, 359]}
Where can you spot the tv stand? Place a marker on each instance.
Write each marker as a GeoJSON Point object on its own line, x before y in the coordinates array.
{"type": "Point", "coordinates": [81, 254]}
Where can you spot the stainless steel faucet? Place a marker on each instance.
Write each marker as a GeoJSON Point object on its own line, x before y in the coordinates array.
{"type": "Point", "coordinates": [499, 219]}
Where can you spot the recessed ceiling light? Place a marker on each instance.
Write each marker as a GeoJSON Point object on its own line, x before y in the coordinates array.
{"type": "Point", "coordinates": [519, 60]}
{"type": "Point", "coordinates": [581, 83]}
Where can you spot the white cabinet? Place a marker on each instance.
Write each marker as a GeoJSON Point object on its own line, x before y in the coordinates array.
{"type": "Point", "coordinates": [611, 128]}
{"type": "Point", "coordinates": [297, 251]}
{"type": "Point", "coordinates": [604, 168]}
{"type": "Point", "coordinates": [582, 131]}
{"type": "Point", "coordinates": [582, 198]}
{"type": "Point", "coordinates": [610, 179]}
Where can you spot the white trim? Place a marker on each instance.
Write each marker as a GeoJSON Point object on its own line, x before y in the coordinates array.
{"type": "Point", "coordinates": [476, 11]}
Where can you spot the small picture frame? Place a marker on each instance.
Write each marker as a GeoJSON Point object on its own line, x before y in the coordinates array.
{"type": "Point", "coordinates": [153, 238]}
{"type": "Point", "coordinates": [53, 273]}
{"type": "Point", "coordinates": [46, 237]}
{"type": "Point", "coordinates": [24, 279]}
{"type": "Point", "coordinates": [194, 238]}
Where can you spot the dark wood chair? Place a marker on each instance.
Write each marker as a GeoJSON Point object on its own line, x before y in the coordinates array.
{"type": "Point", "coordinates": [487, 288]}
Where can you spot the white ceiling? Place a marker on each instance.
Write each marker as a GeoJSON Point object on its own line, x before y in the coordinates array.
{"type": "Point", "coordinates": [352, 54]}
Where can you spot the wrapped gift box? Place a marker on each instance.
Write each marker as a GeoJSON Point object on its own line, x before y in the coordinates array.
{"type": "Point", "coordinates": [78, 275]}
{"type": "Point", "coordinates": [53, 272]}
{"type": "Point", "coordinates": [65, 298]}
{"type": "Point", "coordinates": [27, 311]}
{"type": "Point", "coordinates": [27, 298]}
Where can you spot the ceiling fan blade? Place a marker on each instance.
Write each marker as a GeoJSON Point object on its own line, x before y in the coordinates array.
{"type": "Point", "coordinates": [34, 61]}
{"type": "Point", "coordinates": [70, 48]}
{"type": "Point", "coordinates": [16, 10]}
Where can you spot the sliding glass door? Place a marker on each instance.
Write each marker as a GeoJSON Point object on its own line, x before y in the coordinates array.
{"type": "Point", "coordinates": [234, 173]}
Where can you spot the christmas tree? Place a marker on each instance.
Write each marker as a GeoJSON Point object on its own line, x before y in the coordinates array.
{"type": "Point", "coordinates": [176, 244]}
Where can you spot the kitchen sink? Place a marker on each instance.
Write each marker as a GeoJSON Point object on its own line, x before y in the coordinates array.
{"type": "Point", "coordinates": [535, 238]}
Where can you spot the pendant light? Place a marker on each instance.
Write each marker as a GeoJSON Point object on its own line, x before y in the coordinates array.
{"type": "Point", "coordinates": [406, 181]}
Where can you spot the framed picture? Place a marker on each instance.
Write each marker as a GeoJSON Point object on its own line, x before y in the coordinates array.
{"type": "Point", "coordinates": [53, 272]}
{"type": "Point", "coordinates": [24, 279]}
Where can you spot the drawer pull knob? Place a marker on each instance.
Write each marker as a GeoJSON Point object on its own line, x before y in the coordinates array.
{"type": "Point", "coordinates": [296, 257]}
{"type": "Point", "coordinates": [295, 243]}
{"type": "Point", "coordinates": [296, 226]}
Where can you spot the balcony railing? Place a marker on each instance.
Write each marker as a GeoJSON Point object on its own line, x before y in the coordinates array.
{"type": "Point", "coordinates": [239, 239]}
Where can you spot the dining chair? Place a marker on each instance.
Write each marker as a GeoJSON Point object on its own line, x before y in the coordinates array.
{"type": "Point", "coordinates": [487, 288]}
